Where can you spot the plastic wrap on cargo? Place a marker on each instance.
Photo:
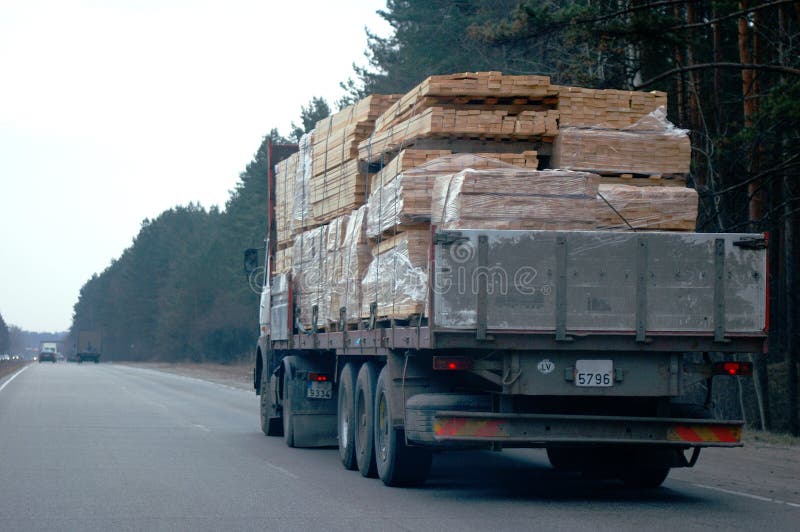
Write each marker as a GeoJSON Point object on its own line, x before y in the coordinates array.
{"type": "Point", "coordinates": [308, 272]}
{"type": "Point", "coordinates": [652, 208]}
{"type": "Point", "coordinates": [651, 146]}
{"type": "Point", "coordinates": [396, 279]}
{"type": "Point", "coordinates": [332, 255]}
{"type": "Point", "coordinates": [317, 267]}
{"type": "Point", "coordinates": [516, 199]}
{"type": "Point", "coordinates": [301, 207]}
{"type": "Point", "coordinates": [406, 199]}
{"type": "Point", "coordinates": [354, 258]}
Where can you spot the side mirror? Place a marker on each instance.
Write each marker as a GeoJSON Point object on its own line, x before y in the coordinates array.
{"type": "Point", "coordinates": [250, 260]}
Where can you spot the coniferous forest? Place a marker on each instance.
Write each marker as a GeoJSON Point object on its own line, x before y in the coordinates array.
{"type": "Point", "coordinates": [732, 71]}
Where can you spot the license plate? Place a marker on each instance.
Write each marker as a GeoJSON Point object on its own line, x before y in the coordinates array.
{"type": "Point", "coordinates": [319, 390]}
{"type": "Point", "coordinates": [594, 373]}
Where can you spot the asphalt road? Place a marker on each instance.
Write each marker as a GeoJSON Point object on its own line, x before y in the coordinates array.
{"type": "Point", "coordinates": [110, 447]}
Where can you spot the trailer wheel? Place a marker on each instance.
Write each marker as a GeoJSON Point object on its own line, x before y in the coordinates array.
{"type": "Point", "coordinates": [271, 426]}
{"type": "Point", "coordinates": [397, 463]}
{"type": "Point", "coordinates": [562, 459]}
{"type": "Point", "coordinates": [345, 417]}
{"type": "Point", "coordinates": [288, 426]}
{"type": "Point", "coordinates": [364, 414]}
{"type": "Point", "coordinates": [649, 478]}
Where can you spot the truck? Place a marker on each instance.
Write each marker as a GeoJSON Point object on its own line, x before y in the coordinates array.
{"type": "Point", "coordinates": [49, 347]}
{"type": "Point", "coordinates": [602, 347]}
{"type": "Point", "coordinates": [89, 346]}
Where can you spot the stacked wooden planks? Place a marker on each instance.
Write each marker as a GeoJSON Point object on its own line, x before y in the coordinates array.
{"type": "Point", "coordinates": [284, 199]}
{"type": "Point", "coordinates": [405, 201]}
{"type": "Point", "coordinates": [414, 158]}
{"type": "Point", "coordinates": [606, 108]}
{"type": "Point", "coordinates": [646, 208]}
{"type": "Point", "coordinates": [463, 150]}
{"type": "Point", "coordinates": [477, 90]}
{"type": "Point", "coordinates": [516, 199]}
{"type": "Point", "coordinates": [337, 186]}
{"type": "Point", "coordinates": [652, 146]}
{"type": "Point", "coordinates": [440, 122]}
{"type": "Point", "coordinates": [283, 260]}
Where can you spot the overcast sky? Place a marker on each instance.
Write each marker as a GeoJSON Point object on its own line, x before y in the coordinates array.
{"type": "Point", "coordinates": [112, 111]}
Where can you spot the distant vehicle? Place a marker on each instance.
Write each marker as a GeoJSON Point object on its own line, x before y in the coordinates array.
{"type": "Point", "coordinates": [47, 356]}
{"type": "Point", "coordinates": [89, 346]}
{"type": "Point", "coordinates": [48, 346]}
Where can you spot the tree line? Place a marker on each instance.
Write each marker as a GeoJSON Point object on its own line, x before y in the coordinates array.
{"type": "Point", "coordinates": [732, 71]}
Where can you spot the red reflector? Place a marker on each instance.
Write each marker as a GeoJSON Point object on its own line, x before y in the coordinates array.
{"type": "Point", "coordinates": [733, 368]}
{"type": "Point", "coordinates": [452, 363]}
{"type": "Point", "coordinates": [319, 377]}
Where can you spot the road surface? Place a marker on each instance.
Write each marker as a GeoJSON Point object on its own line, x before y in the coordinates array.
{"type": "Point", "coordinates": [110, 447]}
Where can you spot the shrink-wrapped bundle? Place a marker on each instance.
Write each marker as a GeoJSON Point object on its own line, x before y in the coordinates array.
{"type": "Point", "coordinates": [516, 199]}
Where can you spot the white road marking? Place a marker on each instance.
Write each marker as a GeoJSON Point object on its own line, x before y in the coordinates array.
{"type": "Point", "coordinates": [11, 378]}
{"type": "Point", "coordinates": [201, 427]}
{"type": "Point", "coordinates": [748, 495]}
{"type": "Point", "coordinates": [282, 470]}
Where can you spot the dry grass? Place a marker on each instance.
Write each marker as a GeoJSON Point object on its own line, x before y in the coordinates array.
{"type": "Point", "coordinates": [753, 436]}
{"type": "Point", "coordinates": [8, 367]}
{"type": "Point", "coordinates": [238, 375]}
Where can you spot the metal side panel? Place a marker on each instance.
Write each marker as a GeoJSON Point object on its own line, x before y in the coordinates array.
{"type": "Point", "coordinates": [279, 308]}
{"type": "Point", "coordinates": [561, 281]}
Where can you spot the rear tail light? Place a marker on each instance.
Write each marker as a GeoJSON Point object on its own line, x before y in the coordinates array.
{"type": "Point", "coordinates": [733, 368]}
{"type": "Point", "coordinates": [452, 363]}
{"type": "Point", "coordinates": [318, 377]}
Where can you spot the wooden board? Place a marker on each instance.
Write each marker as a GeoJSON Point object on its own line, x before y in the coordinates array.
{"type": "Point", "coordinates": [465, 89]}
{"type": "Point", "coordinates": [515, 199]}
{"type": "Point", "coordinates": [284, 199]}
{"type": "Point", "coordinates": [617, 151]}
{"type": "Point", "coordinates": [648, 208]}
{"type": "Point", "coordinates": [413, 158]}
{"type": "Point", "coordinates": [442, 122]}
{"type": "Point", "coordinates": [406, 199]}
{"type": "Point", "coordinates": [579, 106]}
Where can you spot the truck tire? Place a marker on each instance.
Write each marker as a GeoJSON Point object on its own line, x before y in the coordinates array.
{"type": "Point", "coordinates": [397, 463]}
{"type": "Point", "coordinates": [345, 416]}
{"type": "Point", "coordinates": [563, 459]}
{"type": "Point", "coordinates": [649, 478]}
{"type": "Point", "coordinates": [271, 426]}
{"type": "Point", "coordinates": [364, 413]}
{"type": "Point", "coordinates": [288, 427]}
